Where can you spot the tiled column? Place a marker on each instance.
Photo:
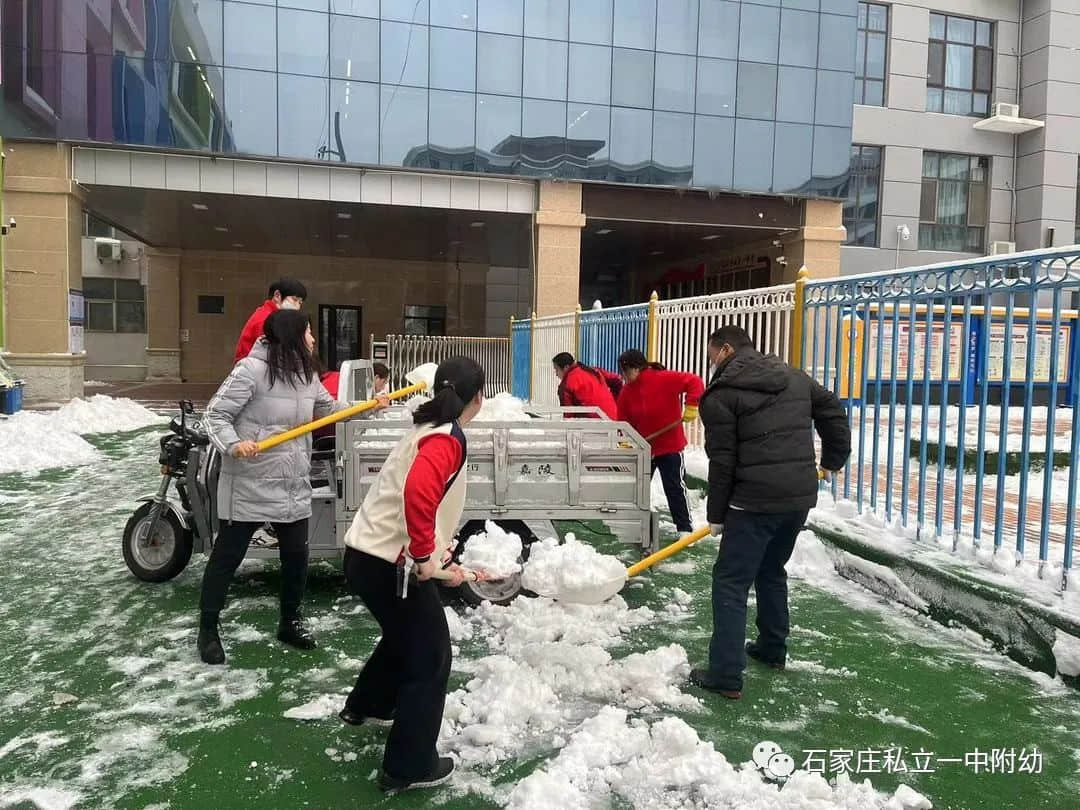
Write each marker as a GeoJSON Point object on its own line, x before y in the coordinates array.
{"type": "Point", "coordinates": [817, 244]}
{"type": "Point", "coordinates": [163, 314]}
{"type": "Point", "coordinates": [43, 261]}
{"type": "Point", "coordinates": [559, 221]}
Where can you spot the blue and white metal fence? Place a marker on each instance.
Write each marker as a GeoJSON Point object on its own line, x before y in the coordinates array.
{"type": "Point", "coordinates": [406, 352]}
{"type": "Point", "coordinates": [964, 334]}
{"type": "Point", "coordinates": [607, 333]}
{"type": "Point", "coordinates": [521, 358]}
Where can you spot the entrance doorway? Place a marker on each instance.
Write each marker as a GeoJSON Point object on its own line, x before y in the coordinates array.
{"type": "Point", "coordinates": [339, 334]}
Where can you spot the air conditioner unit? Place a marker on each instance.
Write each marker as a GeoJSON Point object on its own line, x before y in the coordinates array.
{"type": "Point", "coordinates": [108, 250]}
{"type": "Point", "coordinates": [1005, 110]}
{"type": "Point", "coordinates": [999, 248]}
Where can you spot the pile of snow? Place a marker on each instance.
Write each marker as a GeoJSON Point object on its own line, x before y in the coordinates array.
{"type": "Point", "coordinates": [572, 571]}
{"type": "Point", "coordinates": [612, 759]}
{"type": "Point", "coordinates": [34, 441]}
{"type": "Point", "coordinates": [494, 551]}
{"type": "Point", "coordinates": [502, 407]}
{"type": "Point", "coordinates": [1067, 654]}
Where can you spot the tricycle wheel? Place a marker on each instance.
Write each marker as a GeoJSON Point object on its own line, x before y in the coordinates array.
{"type": "Point", "coordinates": [502, 592]}
{"type": "Point", "coordinates": [161, 557]}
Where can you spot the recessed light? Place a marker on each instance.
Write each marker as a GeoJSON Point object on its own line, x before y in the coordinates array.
{"type": "Point", "coordinates": [342, 236]}
{"type": "Point", "coordinates": [477, 224]}
{"type": "Point", "coordinates": [221, 229]}
{"type": "Point", "coordinates": [603, 232]}
{"type": "Point", "coordinates": [314, 236]}
{"type": "Point", "coordinates": [656, 253]}
{"type": "Point", "coordinates": [710, 237]}
{"type": "Point", "coordinates": [199, 207]}
{"type": "Point", "coordinates": [237, 244]}
{"type": "Point", "coordinates": [344, 215]}
{"type": "Point", "coordinates": [456, 242]}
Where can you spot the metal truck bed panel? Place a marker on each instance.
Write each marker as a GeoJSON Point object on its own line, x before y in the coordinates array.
{"type": "Point", "coordinates": [546, 468]}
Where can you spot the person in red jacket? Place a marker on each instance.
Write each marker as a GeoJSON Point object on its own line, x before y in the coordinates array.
{"type": "Point", "coordinates": [656, 402]}
{"type": "Point", "coordinates": [584, 386]}
{"type": "Point", "coordinates": [285, 293]}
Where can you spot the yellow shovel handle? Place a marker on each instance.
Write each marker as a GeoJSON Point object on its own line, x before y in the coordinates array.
{"type": "Point", "coordinates": [667, 551]}
{"type": "Point", "coordinates": [333, 418]}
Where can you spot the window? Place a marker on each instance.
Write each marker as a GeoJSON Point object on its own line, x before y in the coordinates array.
{"type": "Point", "coordinates": [952, 213]}
{"type": "Point", "coordinates": [959, 72]}
{"type": "Point", "coordinates": [211, 304]}
{"type": "Point", "coordinates": [92, 226]}
{"type": "Point", "coordinates": [861, 205]}
{"type": "Point", "coordinates": [423, 320]}
{"type": "Point", "coordinates": [870, 61]}
{"type": "Point", "coordinates": [114, 305]}
{"type": "Point", "coordinates": [1076, 231]}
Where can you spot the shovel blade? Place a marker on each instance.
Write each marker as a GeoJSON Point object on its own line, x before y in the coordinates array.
{"type": "Point", "coordinates": [423, 374]}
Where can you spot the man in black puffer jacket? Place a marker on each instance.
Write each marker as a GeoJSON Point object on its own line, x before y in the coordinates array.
{"type": "Point", "coordinates": [759, 415]}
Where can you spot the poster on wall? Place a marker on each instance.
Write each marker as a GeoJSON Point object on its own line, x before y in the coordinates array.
{"type": "Point", "coordinates": [76, 342]}
{"type": "Point", "coordinates": [918, 358]}
{"type": "Point", "coordinates": [76, 307]}
{"type": "Point", "coordinates": [1045, 346]}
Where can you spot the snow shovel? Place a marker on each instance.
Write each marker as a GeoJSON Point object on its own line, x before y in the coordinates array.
{"type": "Point", "coordinates": [595, 593]}
{"type": "Point", "coordinates": [421, 378]}
{"type": "Point", "coordinates": [663, 430]}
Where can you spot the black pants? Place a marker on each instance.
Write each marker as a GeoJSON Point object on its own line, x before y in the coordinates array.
{"type": "Point", "coordinates": [407, 672]}
{"type": "Point", "coordinates": [673, 477]}
{"type": "Point", "coordinates": [229, 551]}
{"type": "Point", "coordinates": [753, 551]}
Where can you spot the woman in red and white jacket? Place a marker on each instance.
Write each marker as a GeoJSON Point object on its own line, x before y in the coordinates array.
{"type": "Point", "coordinates": [408, 519]}
{"type": "Point", "coordinates": [656, 402]}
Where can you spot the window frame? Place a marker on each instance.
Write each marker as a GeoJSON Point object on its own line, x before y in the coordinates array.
{"type": "Point", "coordinates": [112, 302]}
{"type": "Point", "coordinates": [943, 43]}
{"type": "Point", "coordinates": [861, 33]}
{"type": "Point", "coordinates": [928, 227]}
{"type": "Point", "coordinates": [433, 315]}
{"type": "Point", "coordinates": [855, 204]}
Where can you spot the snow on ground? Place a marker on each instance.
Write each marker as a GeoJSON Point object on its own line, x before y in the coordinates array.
{"type": "Point", "coordinates": [573, 571]}
{"type": "Point", "coordinates": [34, 441]}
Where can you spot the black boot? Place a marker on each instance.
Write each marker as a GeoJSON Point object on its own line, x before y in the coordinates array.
{"type": "Point", "coordinates": [754, 652]}
{"type": "Point", "coordinates": [291, 631]}
{"type": "Point", "coordinates": [443, 772]}
{"type": "Point", "coordinates": [209, 643]}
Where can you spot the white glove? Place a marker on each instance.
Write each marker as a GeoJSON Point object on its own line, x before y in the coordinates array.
{"type": "Point", "coordinates": [717, 529]}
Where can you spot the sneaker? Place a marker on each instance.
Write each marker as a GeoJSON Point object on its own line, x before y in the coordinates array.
{"type": "Point", "coordinates": [701, 679]}
{"type": "Point", "coordinates": [352, 718]}
{"type": "Point", "coordinates": [754, 652]}
{"type": "Point", "coordinates": [292, 631]}
{"type": "Point", "coordinates": [440, 776]}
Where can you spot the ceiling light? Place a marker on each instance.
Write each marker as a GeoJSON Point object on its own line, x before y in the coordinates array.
{"type": "Point", "coordinates": [344, 215]}
{"type": "Point", "coordinates": [199, 207]}
{"type": "Point", "coordinates": [710, 237]}
{"type": "Point", "coordinates": [476, 224]}
{"type": "Point", "coordinates": [603, 232]}
{"type": "Point", "coordinates": [656, 253]}
{"type": "Point", "coordinates": [342, 236]}
{"type": "Point", "coordinates": [237, 244]}
{"type": "Point", "coordinates": [456, 242]}
{"type": "Point", "coordinates": [221, 229]}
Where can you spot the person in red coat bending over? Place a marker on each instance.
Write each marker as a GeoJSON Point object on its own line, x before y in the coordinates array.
{"type": "Point", "coordinates": [286, 293]}
{"type": "Point", "coordinates": [656, 402]}
{"type": "Point", "coordinates": [585, 386]}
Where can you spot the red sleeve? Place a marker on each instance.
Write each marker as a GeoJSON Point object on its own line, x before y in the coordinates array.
{"type": "Point", "coordinates": [622, 404]}
{"type": "Point", "coordinates": [688, 384]}
{"type": "Point", "coordinates": [331, 380]}
{"type": "Point", "coordinates": [252, 331]}
{"type": "Point", "coordinates": [438, 458]}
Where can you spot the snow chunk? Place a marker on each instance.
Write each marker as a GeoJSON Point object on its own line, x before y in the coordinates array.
{"type": "Point", "coordinates": [494, 551]}
{"type": "Point", "coordinates": [44, 798]}
{"type": "Point", "coordinates": [318, 709]}
{"type": "Point", "coordinates": [502, 407]}
{"type": "Point", "coordinates": [572, 571]}
{"type": "Point", "coordinates": [1067, 653]}
{"type": "Point", "coordinates": [460, 630]}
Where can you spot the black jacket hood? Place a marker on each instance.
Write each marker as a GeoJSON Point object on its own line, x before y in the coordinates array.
{"type": "Point", "coordinates": [750, 370]}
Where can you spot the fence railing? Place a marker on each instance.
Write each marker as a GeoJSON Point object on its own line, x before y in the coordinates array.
{"type": "Point", "coordinates": [406, 352]}
{"type": "Point", "coordinates": [921, 357]}
{"type": "Point", "coordinates": [550, 336]}
{"type": "Point", "coordinates": [607, 333]}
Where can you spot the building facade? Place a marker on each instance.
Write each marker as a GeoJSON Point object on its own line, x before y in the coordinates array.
{"type": "Point", "coordinates": [443, 165]}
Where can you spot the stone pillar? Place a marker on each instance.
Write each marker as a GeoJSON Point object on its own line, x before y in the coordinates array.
{"type": "Point", "coordinates": [559, 221]}
{"type": "Point", "coordinates": [43, 260]}
{"type": "Point", "coordinates": [162, 315]}
{"type": "Point", "coordinates": [817, 244]}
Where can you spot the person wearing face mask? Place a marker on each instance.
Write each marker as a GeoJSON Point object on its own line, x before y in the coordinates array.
{"type": "Point", "coordinates": [285, 293]}
{"type": "Point", "coordinates": [760, 415]}
{"type": "Point", "coordinates": [399, 538]}
{"type": "Point", "coordinates": [273, 389]}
